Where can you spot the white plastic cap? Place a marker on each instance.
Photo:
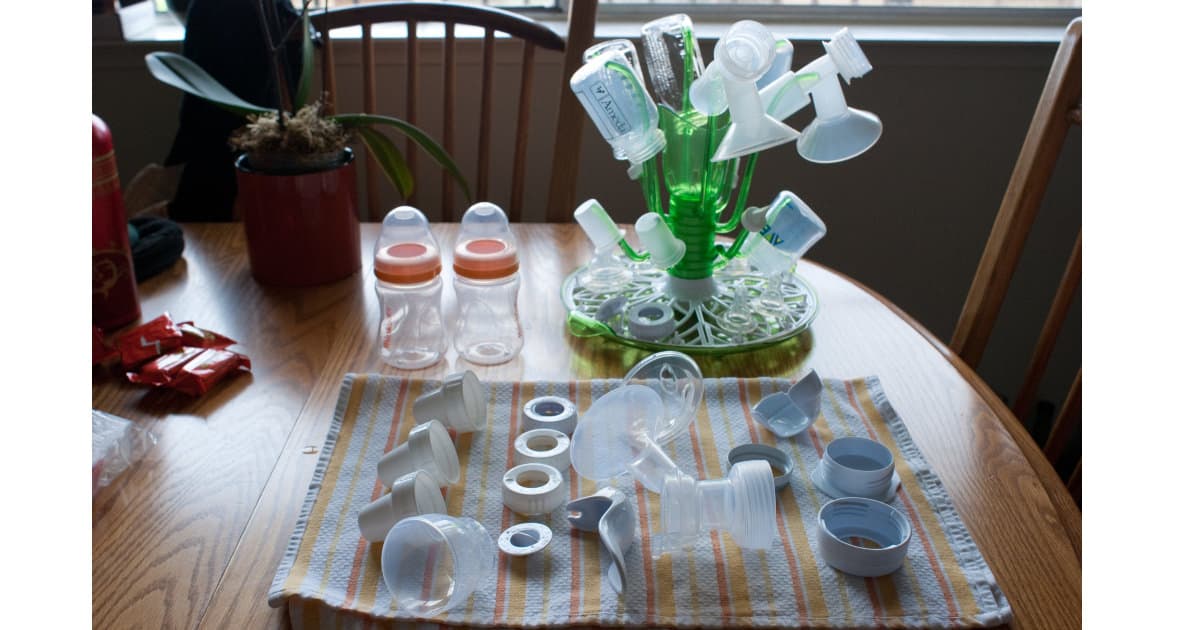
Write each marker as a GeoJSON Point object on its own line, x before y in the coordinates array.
{"type": "Point", "coordinates": [598, 226]}
{"type": "Point", "coordinates": [413, 494]}
{"type": "Point", "coordinates": [428, 448]}
{"type": "Point", "coordinates": [459, 403]}
{"type": "Point", "coordinates": [665, 249]}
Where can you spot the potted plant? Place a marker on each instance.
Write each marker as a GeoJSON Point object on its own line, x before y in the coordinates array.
{"type": "Point", "coordinates": [297, 190]}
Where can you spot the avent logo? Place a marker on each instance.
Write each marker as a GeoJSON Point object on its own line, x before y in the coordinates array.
{"type": "Point", "coordinates": [605, 100]}
{"type": "Point", "coordinates": [772, 237]}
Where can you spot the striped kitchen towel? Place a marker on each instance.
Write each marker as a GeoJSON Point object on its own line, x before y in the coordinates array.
{"type": "Point", "coordinates": [330, 576]}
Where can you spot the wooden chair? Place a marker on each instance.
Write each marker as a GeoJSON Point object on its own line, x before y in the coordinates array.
{"type": "Point", "coordinates": [1058, 109]}
{"type": "Point", "coordinates": [582, 18]}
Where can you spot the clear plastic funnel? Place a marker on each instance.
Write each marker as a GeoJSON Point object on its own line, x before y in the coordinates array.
{"type": "Point", "coordinates": [742, 504]}
{"type": "Point", "coordinates": [612, 94]}
{"type": "Point", "coordinates": [616, 435]}
{"type": "Point", "coordinates": [745, 54]}
{"type": "Point", "coordinates": [677, 380]}
{"type": "Point", "coordinates": [673, 58]}
{"type": "Point", "coordinates": [432, 563]}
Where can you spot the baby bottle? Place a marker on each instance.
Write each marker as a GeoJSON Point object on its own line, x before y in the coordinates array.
{"type": "Point", "coordinates": [408, 265]}
{"type": "Point", "coordinates": [486, 282]}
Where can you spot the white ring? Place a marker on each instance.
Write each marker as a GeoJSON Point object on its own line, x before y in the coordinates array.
{"type": "Point", "coordinates": [548, 447]}
{"type": "Point", "coordinates": [550, 412]}
{"type": "Point", "coordinates": [530, 539]}
{"type": "Point", "coordinates": [654, 326]}
{"type": "Point", "coordinates": [541, 498]}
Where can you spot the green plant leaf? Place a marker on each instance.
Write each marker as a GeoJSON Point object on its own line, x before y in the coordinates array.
{"type": "Point", "coordinates": [390, 159]}
{"type": "Point", "coordinates": [429, 145]}
{"type": "Point", "coordinates": [182, 73]}
{"type": "Point", "coordinates": [306, 60]}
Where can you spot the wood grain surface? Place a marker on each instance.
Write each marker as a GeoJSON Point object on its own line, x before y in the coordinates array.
{"type": "Point", "coordinates": [193, 534]}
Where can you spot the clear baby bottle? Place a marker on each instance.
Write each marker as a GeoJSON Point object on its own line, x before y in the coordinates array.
{"type": "Point", "coordinates": [408, 281]}
{"type": "Point", "coordinates": [486, 281]}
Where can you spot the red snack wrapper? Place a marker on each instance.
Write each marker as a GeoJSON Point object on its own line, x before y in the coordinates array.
{"type": "Point", "coordinates": [196, 337]}
{"type": "Point", "coordinates": [101, 351]}
{"type": "Point", "coordinates": [152, 339]}
{"type": "Point", "coordinates": [164, 369]}
{"type": "Point", "coordinates": [206, 370]}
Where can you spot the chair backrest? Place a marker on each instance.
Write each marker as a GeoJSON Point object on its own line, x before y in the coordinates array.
{"type": "Point", "coordinates": [582, 18]}
{"type": "Point", "coordinates": [1058, 109]}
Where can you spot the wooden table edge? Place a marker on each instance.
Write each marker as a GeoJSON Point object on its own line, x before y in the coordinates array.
{"type": "Point", "coordinates": [1069, 514]}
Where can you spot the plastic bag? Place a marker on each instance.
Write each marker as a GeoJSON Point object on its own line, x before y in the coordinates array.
{"type": "Point", "coordinates": [117, 444]}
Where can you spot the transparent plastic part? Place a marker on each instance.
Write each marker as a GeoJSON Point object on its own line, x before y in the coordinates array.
{"type": "Point", "coordinates": [485, 221]}
{"type": "Point", "coordinates": [677, 380]}
{"type": "Point", "coordinates": [742, 504]}
{"type": "Point", "coordinates": [616, 435]}
{"type": "Point", "coordinates": [612, 94]}
{"type": "Point", "coordinates": [488, 329]}
{"type": "Point", "coordinates": [607, 271]}
{"type": "Point", "coordinates": [743, 56]}
{"type": "Point", "coordinates": [623, 46]}
{"type": "Point", "coordinates": [839, 132]}
{"type": "Point", "coordinates": [407, 262]}
{"type": "Point", "coordinates": [673, 60]}
{"type": "Point", "coordinates": [433, 562]}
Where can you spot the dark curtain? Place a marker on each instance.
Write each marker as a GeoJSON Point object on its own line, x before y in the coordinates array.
{"type": "Point", "coordinates": [224, 38]}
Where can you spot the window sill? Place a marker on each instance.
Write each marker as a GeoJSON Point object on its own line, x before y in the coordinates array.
{"type": "Point", "coordinates": [1020, 27]}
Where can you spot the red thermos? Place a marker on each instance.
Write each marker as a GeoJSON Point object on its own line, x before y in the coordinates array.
{"type": "Point", "coordinates": [114, 288]}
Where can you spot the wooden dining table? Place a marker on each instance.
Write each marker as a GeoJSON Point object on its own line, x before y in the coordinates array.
{"type": "Point", "coordinates": [193, 533]}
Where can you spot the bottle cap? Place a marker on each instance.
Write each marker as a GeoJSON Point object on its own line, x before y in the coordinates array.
{"type": "Point", "coordinates": [486, 248]}
{"type": "Point", "coordinates": [665, 249]}
{"type": "Point", "coordinates": [598, 226]}
{"type": "Point", "coordinates": [406, 252]}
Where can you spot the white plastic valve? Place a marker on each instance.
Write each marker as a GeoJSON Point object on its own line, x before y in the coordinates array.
{"type": "Point", "coordinates": [665, 248]}
{"type": "Point", "coordinates": [743, 56]}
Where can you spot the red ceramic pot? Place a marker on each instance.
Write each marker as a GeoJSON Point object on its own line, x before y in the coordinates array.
{"type": "Point", "coordinates": [301, 226]}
